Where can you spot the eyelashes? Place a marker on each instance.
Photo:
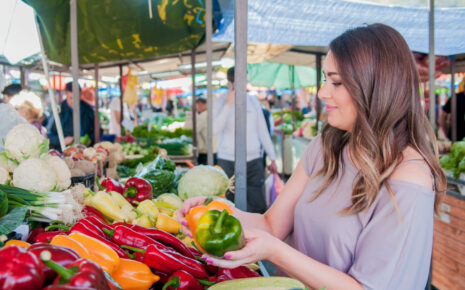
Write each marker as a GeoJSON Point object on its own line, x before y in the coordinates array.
{"type": "Point", "coordinates": [336, 84]}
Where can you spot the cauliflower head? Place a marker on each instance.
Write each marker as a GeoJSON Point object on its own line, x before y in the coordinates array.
{"type": "Point", "coordinates": [24, 141]}
{"type": "Point", "coordinates": [61, 170]}
{"type": "Point", "coordinates": [7, 163]}
{"type": "Point", "coordinates": [36, 175]}
{"type": "Point", "coordinates": [4, 176]}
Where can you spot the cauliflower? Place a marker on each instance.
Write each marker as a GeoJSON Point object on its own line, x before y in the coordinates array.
{"type": "Point", "coordinates": [61, 170]}
{"type": "Point", "coordinates": [36, 175]}
{"type": "Point", "coordinates": [4, 176]}
{"type": "Point", "coordinates": [24, 141]}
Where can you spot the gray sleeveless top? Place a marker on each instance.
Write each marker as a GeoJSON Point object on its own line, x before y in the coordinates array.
{"type": "Point", "coordinates": [374, 246]}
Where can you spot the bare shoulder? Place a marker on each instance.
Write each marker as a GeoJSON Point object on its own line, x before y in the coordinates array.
{"type": "Point", "coordinates": [413, 169]}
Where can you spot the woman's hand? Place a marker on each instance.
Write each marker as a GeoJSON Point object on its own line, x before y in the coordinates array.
{"type": "Point", "coordinates": [273, 168]}
{"type": "Point", "coordinates": [259, 245]}
{"type": "Point", "coordinates": [187, 205]}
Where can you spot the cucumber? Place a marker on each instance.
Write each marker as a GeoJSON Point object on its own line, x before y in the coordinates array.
{"type": "Point", "coordinates": [275, 283]}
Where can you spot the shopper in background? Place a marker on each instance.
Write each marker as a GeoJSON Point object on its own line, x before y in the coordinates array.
{"type": "Point", "coordinates": [202, 131]}
{"type": "Point", "coordinates": [115, 116]}
{"type": "Point", "coordinates": [29, 106]}
{"type": "Point", "coordinates": [10, 91]}
{"type": "Point", "coordinates": [445, 118]}
{"type": "Point", "coordinates": [360, 205]}
{"type": "Point", "coordinates": [66, 118]}
{"type": "Point", "coordinates": [258, 137]}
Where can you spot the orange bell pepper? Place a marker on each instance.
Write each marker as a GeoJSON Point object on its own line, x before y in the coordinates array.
{"type": "Point", "coordinates": [196, 212]}
{"type": "Point", "coordinates": [67, 242]}
{"type": "Point", "coordinates": [100, 253]}
{"type": "Point", "coordinates": [134, 275]}
{"type": "Point", "coordinates": [18, 243]}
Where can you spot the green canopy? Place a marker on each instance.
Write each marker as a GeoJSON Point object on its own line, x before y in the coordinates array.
{"type": "Point", "coordinates": [113, 30]}
{"type": "Point", "coordinates": [281, 76]}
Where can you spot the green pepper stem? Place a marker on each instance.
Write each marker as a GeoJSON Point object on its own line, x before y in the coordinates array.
{"type": "Point", "coordinates": [219, 223]}
{"type": "Point", "coordinates": [57, 222]}
{"type": "Point", "coordinates": [174, 281]}
{"type": "Point", "coordinates": [54, 227]}
{"type": "Point", "coordinates": [206, 283]}
{"type": "Point", "coordinates": [65, 274]}
{"type": "Point", "coordinates": [207, 201]}
{"type": "Point", "coordinates": [110, 233]}
{"type": "Point", "coordinates": [134, 249]}
{"type": "Point", "coordinates": [139, 214]}
{"type": "Point", "coordinates": [130, 192]}
{"type": "Point", "coordinates": [99, 185]}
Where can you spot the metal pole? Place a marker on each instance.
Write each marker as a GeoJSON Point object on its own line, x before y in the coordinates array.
{"type": "Point", "coordinates": [431, 68]}
{"type": "Point", "coordinates": [283, 152]}
{"type": "Point", "coordinates": [318, 86]}
{"type": "Point", "coordinates": [23, 77]}
{"type": "Point", "coordinates": [51, 93]}
{"type": "Point", "coordinates": [454, 99]}
{"type": "Point", "coordinates": [121, 114]}
{"type": "Point", "coordinates": [208, 24]}
{"type": "Point", "coordinates": [293, 96]}
{"type": "Point", "coordinates": [75, 71]}
{"type": "Point", "coordinates": [96, 115]}
{"type": "Point", "coordinates": [240, 86]}
{"type": "Point", "coordinates": [194, 111]}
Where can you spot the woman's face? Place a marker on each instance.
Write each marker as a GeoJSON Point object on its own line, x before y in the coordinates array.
{"type": "Point", "coordinates": [339, 105]}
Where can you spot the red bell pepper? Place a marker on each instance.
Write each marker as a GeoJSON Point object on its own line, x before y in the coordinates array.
{"type": "Point", "coordinates": [46, 237]}
{"type": "Point", "coordinates": [20, 269]}
{"type": "Point", "coordinates": [162, 237]}
{"type": "Point", "coordinates": [82, 273]}
{"type": "Point", "coordinates": [109, 184]}
{"type": "Point", "coordinates": [33, 235]}
{"type": "Point", "coordinates": [61, 255]}
{"type": "Point", "coordinates": [89, 211]}
{"type": "Point", "coordinates": [137, 189]}
{"type": "Point", "coordinates": [235, 273]}
{"type": "Point", "coordinates": [168, 260]}
{"type": "Point", "coordinates": [181, 280]}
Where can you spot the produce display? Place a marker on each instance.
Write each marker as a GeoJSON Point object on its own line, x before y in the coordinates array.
{"type": "Point", "coordinates": [454, 161]}
{"type": "Point", "coordinates": [122, 235]}
{"type": "Point", "coordinates": [303, 127]}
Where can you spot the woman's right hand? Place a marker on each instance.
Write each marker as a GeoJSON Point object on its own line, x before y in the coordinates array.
{"type": "Point", "coordinates": [187, 205]}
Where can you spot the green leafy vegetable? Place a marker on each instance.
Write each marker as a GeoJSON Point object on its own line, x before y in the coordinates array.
{"type": "Point", "coordinates": [14, 219]}
{"type": "Point", "coordinates": [3, 204]}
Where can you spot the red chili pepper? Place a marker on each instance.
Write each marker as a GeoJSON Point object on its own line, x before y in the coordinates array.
{"type": "Point", "coordinates": [125, 236]}
{"type": "Point", "coordinates": [164, 277]}
{"type": "Point", "coordinates": [33, 235]}
{"type": "Point", "coordinates": [235, 273]}
{"type": "Point", "coordinates": [181, 280]}
{"type": "Point", "coordinates": [61, 255]}
{"type": "Point", "coordinates": [48, 236]}
{"type": "Point", "coordinates": [163, 237]}
{"type": "Point", "coordinates": [91, 230]}
{"type": "Point", "coordinates": [109, 184]}
{"type": "Point", "coordinates": [100, 224]}
{"type": "Point", "coordinates": [20, 269]}
{"type": "Point", "coordinates": [137, 189]}
{"type": "Point", "coordinates": [89, 211]}
{"type": "Point", "coordinates": [167, 260]}
{"type": "Point", "coordinates": [82, 273]}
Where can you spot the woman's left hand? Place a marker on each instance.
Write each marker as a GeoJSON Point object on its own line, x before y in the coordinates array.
{"type": "Point", "coordinates": [259, 246]}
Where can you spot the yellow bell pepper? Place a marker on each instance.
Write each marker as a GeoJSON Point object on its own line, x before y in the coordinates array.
{"type": "Point", "coordinates": [67, 242]}
{"type": "Point", "coordinates": [144, 221]}
{"type": "Point", "coordinates": [148, 208]}
{"type": "Point", "coordinates": [18, 243]}
{"type": "Point", "coordinates": [167, 224]}
{"type": "Point", "coordinates": [100, 253]}
{"type": "Point", "coordinates": [164, 204]}
{"type": "Point", "coordinates": [167, 211]}
{"type": "Point", "coordinates": [134, 275]}
{"type": "Point", "coordinates": [103, 202]}
{"type": "Point", "coordinates": [119, 199]}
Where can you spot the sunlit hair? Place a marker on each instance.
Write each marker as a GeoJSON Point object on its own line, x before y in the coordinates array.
{"type": "Point", "coordinates": [379, 72]}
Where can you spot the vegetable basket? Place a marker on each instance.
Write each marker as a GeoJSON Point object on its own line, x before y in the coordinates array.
{"type": "Point", "coordinates": [87, 180]}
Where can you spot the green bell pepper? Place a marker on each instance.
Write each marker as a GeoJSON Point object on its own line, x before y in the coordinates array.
{"type": "Point", "coordinates": [217, 232]}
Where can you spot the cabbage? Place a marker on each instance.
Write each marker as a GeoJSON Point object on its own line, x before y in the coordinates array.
{"type": "Point", "coordinates": [203, 180]}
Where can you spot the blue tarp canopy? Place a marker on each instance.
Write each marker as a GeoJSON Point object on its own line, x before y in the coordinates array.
{"type": "Point", "coordinates": [317, 22]}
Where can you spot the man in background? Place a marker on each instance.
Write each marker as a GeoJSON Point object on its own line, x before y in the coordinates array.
{"type": "Point", "coordinates": [10, 91]}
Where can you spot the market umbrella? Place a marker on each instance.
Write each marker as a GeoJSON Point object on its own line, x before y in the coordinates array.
{"type": "Point", "coordinates": [18, 34]}
{"type": "Point", "coordinates": [116, 30]}
{"type": "Point", "coordinates": [281, 76]}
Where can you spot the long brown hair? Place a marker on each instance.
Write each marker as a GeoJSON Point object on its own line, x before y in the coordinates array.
{"type": "Point", "coordinates": [379, 71]}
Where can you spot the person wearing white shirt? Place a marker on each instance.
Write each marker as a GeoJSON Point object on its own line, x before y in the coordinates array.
{"type": "Point", "coordinates": [258, 138]}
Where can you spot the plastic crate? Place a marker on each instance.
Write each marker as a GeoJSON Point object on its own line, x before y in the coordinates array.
{"type": "Point", "coordinates": [88, 180]}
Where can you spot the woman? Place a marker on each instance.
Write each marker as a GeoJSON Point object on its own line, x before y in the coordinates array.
{"type": "Point", "coordinates": [29, 106]}
{"type": "Point", "coordinates": [360, 204]}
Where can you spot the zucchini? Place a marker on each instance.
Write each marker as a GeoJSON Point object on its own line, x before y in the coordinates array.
{"type": "Point", "coordinates": [275, 283]}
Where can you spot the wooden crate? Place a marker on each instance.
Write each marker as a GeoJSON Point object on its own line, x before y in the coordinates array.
{"type": "Point", "coordinates": [449, 244]}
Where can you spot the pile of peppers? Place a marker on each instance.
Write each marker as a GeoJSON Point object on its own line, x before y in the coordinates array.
{"type": "Point", "coordinates": [92, 254]}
